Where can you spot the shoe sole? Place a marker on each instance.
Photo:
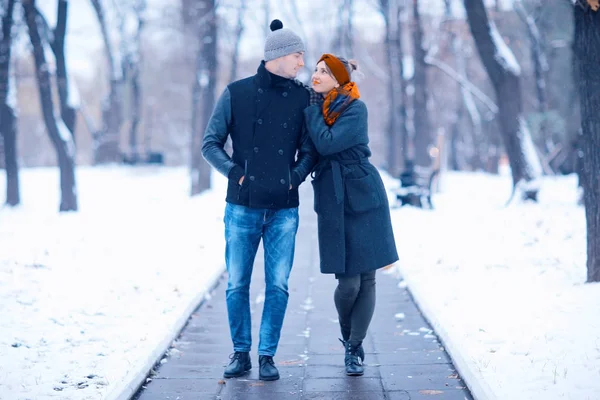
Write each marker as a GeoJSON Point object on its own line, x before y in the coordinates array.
{"type": "Point", "coordinates": [354, 374]}
{"type": "Point", "coordinates": [270, 378]}
{"type": "Point", "coordinates": [226, 376]}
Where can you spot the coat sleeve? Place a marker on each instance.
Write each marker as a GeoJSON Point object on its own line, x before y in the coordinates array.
{"type": "Point", "coordinates": [307, 159]}
{"type": "Point", "coordinates": [350, 129]}
{"type": "Point", "coordinates": [215, 137]}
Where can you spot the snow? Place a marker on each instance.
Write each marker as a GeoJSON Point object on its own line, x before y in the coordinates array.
{"type": "Point", "coordinates": [529, 148]}
{"type": "Point", "coordinates": [65, 135]}
{"type": "Point", "coordinates": [73, 97]}
{"type": "Point", "coordinates": [89, 300]}
{"type": "Point", "coordinates": [11, 97]}
{"type": "Point", "coordinates": [504, 287]}
{"type": "Point", "coordinates": [503, 53]}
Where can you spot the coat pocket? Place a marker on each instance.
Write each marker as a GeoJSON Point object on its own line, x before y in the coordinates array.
{"type": "Point", "coordinates": [362, 194]}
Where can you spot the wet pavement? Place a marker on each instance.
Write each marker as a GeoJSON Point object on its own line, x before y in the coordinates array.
{"type": "Point", "coordinates": [404, 359]}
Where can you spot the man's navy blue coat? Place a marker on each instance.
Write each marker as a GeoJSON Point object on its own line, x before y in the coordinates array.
{"type": "Point", "coordinates": [271, 147]}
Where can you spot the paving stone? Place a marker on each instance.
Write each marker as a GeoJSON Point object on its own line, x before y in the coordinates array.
{"type": "Point", "coordinates": [343, 384]}
{"type": "Point", "coordinates": [412, 356]}
{"type": "Point", "coordinates": [429, 395]}
{"type": "Point", "coordinates": [337, 371]}
{"type": "Point", "coordinates": [178, 386]}
{"type": "Point", "coordinates": [416, 377]}
{"type": "Point", "coordinates": [345, 396]}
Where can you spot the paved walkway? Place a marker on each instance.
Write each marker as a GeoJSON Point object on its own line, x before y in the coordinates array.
{"type": "Point", "coordinates": [404, 359]}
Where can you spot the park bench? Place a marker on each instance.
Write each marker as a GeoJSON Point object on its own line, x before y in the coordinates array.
{"type": "Point", "coordinates": [416, 185]}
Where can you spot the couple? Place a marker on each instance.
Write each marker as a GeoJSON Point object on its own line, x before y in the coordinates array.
{"type": "Point", "coordinates": [281, 132]}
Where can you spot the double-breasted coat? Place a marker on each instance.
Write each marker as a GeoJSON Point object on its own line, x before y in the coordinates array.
{"type": "Point", "coordinates": [354, 225]}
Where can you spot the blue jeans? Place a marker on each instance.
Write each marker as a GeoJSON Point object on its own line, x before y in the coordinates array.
{"type": "Point", "coordinates": [244, 228]}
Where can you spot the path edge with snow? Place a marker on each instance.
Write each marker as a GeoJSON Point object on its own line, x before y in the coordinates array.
{"type": "Point", "coordinates": [474, 380]}
{"type": "Point", "coordinates": [135, 378]}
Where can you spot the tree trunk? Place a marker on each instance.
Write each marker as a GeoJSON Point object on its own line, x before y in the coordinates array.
{"type": "Point", "coordinates": [587, 59]}
{"type": "Point", "coordinates": [397, 146]}
{"type": "Point", "coordinates": [2, 157]}
{"type": "Point", "coordinates": [540, 67]}
{"type": "Point", "coordinates": [393, 149]}
{"type": "Point", "coordinates": [58, 132]}
{"type": "Point", "coordinates": [402, 122]}
{"type": "Point", "coordinates": [504, 72]}
{"type": "Point", "coordinates": [8, 119]}
{"type": "Point", "coordinates": [106, 147]}
{"type": "Point", "coordinates": [267, 14]}
{"type": "Point", "coordinates": [343, 42]}
{"type": "Point", "coordinates": [132, 67]}
{"type": "Point", "coordinates": [9, 133]}
{"type": "Point", "coordinates": [68, 105]}
{"type": "Point", "coordinates": [203, 93]}
{"type": "Point", "coordinates": [422, 138]}
{"type": "Point", "coordinates": [239, 31]}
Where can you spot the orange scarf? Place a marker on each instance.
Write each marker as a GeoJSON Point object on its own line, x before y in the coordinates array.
{"type": "Point", "coordinates": [337, 100]}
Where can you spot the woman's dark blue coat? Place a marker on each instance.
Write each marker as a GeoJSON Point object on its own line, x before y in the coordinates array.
{"type": "Point", "coordinates": [355, 229]}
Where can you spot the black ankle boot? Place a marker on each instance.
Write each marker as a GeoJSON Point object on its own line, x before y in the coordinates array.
{"type": "Point", "coordinates": [240, 364]}
{"type": "Point", "coordinates": [360, 352]}
{"type": "Point", "coordinates": [267, 369]}
{"type": "Point", "coordinates": [352, 360]}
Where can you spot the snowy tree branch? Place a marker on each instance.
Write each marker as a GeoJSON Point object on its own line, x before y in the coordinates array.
{"type": "Point", "coordinates": [464, 82]}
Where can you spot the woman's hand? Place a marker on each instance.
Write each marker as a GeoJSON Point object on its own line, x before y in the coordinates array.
{"type": "Point", "coordinates": [315, 98]}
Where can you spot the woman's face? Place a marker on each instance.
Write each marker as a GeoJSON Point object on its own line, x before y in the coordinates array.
{"type": "Point", "coordinates": [322, 80]}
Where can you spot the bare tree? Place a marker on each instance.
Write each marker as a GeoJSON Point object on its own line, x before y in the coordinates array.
{"type": "Point", "coordinates": [239, 31]}
{"type": "Point", "coordinates": [586, 47]}
{"type": "Point", "coordinates": [540, 67]}
{"type": "Point", "coordinates": [422, 125]}
{"type": "Point", "coordinates": [106, 146]}
{"type": "Point", "coordinates": [267, 13]}
{"type": "Point", "coordinates": [8, 117]}
{"type": "Point", "coordinates": [397, 133]}
{"type": "Point", "coordinates": [66, 90]}
{"type": "Point", "coordinates": [203, 91]}
{"type": "Point", "coordinates": [344, 37]}
{"type": "Point", "coordinates": [504, 73]}
{"type": "Point", "coordinates": [132, 60]}
{"type": "Point", "coordinates": [59, 134]}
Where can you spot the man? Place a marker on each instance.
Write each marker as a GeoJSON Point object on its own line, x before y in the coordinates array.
{"type": "Point", "coordinates": [272, 155]}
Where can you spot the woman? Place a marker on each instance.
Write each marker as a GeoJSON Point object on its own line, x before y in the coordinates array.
{"type": "Point", "coordinates": [355, 230]}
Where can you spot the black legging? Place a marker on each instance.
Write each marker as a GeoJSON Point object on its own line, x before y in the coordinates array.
{"type": "Point", "coordinates": [355, 302]}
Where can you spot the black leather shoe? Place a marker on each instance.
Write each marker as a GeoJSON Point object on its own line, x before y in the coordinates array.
{"type": "Point", "coordinates": [240, 364]}
{"type": "Point", "coordinates": [352, 360]}
{"type": "Point", "coordinates": [267, 369]}
{"type": "Point", "coordinates": [360, 352]}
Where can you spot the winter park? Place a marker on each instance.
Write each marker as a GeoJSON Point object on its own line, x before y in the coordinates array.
{"type": "Point", "coordinates": [259, 199]}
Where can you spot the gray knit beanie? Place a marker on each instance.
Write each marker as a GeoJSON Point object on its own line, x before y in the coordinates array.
{"type": "Point", "coordinates": [281, 42]}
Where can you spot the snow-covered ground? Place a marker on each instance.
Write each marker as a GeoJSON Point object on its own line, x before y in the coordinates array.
{"type": "Point", "coordinates": [89, 299]}
{"type": "Point", "coordinates": [505, 287]}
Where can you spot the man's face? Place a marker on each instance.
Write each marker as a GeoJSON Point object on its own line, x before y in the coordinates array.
{"type": "Point", "coordinates": [290, 65]}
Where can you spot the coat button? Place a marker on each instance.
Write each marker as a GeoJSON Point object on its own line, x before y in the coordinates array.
{"type": "Point", "coordinates": [259, 121]}
{"type": "Point", "coordinates": [256, 149]}
{"type": "Point", "coordinates": [252, 178]}
{"type": "Point", "coordinates": [285, 124]}
{"type": "Point", "coordinates": [282, 181]}
{"type": "Point", "coordinates": [280, 152]}
{"type": "Point", "coordinates": [284, 94]}
{"type": "Point", "coordinates": [260, 90]}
